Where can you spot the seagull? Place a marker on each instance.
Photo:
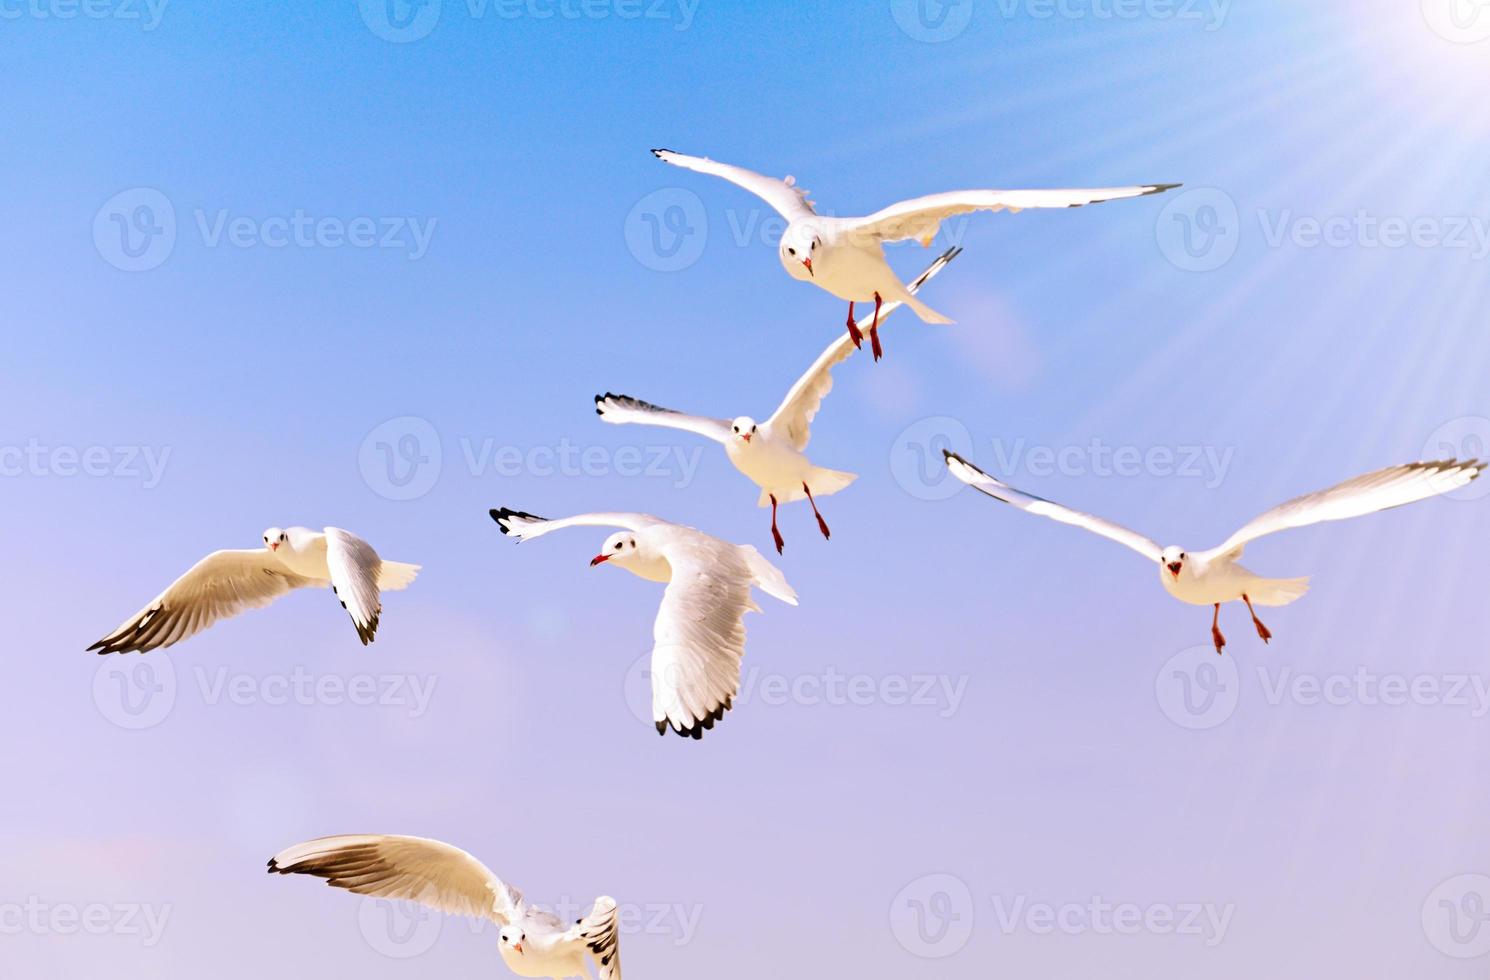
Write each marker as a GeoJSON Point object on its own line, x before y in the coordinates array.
{"type": "Point", "coordinates": [846, 256]}
{"type": "Point", "coordinates": [533, 943]}
{"type": "Point", "coordinates": [769, 453]}
{"type": "Point", "coordinates": [1209, 578]}
{"type": "Point", "coordinates": [227, 582]}
{"type": "Point", "coordinates": [699, 634]}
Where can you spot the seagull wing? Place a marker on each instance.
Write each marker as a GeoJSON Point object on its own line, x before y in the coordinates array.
{"type": "Point", "coordinates": [223, 584]}
{"type": "Point", "coordinates": [600, 931]}
{"type": "Point", "coordinates": [523, 525]}
{"type": "Point", "coordinates": [355, 570]}
{"type": "Point", "coordinates": [997, 489]}
{"type": "Point", "coordinates": [789, 200]}
{"type": "Point", "coordinates": [794, 416]}
{"type": "Point", "coordinates": [1381, 490]}
{"type": "Point", "coordinates": [623, 409]}
{"type": "Point", "coordinates": [920, 218]}
{"type": "Point", "coordinates": [434, 874]}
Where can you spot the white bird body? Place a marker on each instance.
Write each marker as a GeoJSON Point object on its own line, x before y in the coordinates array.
{"type": "Point", "coordinates": [228, 582]}
{"type": "Point", "coordinates": [532, 942]}
{"type": "Point", "coordinates": [845, 256]}
{"type": "Point", "coordinates": [1209, 578]}
{"type": "Point", "coordinates": [699, 633]}
{"type": "Point", "coordinates": [771, 454]}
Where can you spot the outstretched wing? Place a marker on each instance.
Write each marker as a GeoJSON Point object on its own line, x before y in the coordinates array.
{"type": "Point", "coordinates": [789, 200]}
{"type": "Point", "coordinates": [623, 409]}
{"type": "Point", "coordinates": [1380, 490]}
{"type": "Point", "coordinates": [223, 584]}
{"type": "Point", "coordinates": [920, 218]}
{"type": "Point", "coordinates": [355, 570]}
{"type": "Point", "coordinates": [794, 416]}
{"type": "Point", "coordinates": [998, 490]}
{"type": "Point", "coordinates": [522, 525]}
{"type": "Point", "coordinates": [438, 875]}
{"type": "Point", "coordinates": [600, 931]}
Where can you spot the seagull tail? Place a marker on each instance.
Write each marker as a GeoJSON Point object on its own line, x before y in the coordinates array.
{"type": "Point", "coordinates": [1277, 591]}
{"type": "Point", "coordinates": [822, 483]}
{"type": "Point", "coordinates": [768, 577]}
{"type": "Point", "coordinates": [926, 313]}
{"type": "Point", "coordinates": [395, 575]}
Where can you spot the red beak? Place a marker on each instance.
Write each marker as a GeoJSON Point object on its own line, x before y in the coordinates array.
{"type": "Point", "coordinates": [808, 263]}
{"type": "Point", "coordinates": [745, 436]}
{"type": "Point", "coordinates": [1174, 568]}
{"type": "Point", "coordinates": [518, 947]}
{"type": "Point", "coordinates": [593, 562]}
{"type": "Point", "coordinates": [274, 546]}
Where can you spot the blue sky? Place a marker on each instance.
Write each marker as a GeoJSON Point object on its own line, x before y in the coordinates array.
{"type": "Point", "coordinates": [426, 247]}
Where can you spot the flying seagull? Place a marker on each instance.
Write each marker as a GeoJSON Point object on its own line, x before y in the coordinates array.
{"type": "Point", "coordinates": [1209, 578]}
{"type": "Point", "coordinates": [533, 943]}
{"type": "Point", "coordinates": [846, 256]}
{"type": "Point", "coordinates": [699, 634]}
{"type": "Point", "coordinates": [225, 583]}
{"type": "Point", "coordinates": [770, 453]}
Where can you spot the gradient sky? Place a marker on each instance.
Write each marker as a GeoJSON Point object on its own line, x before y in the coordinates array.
{"type": "Point", "coordinates": [1259, 335]}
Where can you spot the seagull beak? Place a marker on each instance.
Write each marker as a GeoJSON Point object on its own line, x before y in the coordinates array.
{"type": "Point", "coordinates": [746, 436]}
{"type": "Point", "coordinates": [517, 947]}
{"type": "Point", "coordinates": [274, 546]}
{"type": "Point", "coordinates": [808, 263]}
{"type": "Point", "coordinates": [593, 562]}
{"type": "Point", "coordinates": [1174, 568]}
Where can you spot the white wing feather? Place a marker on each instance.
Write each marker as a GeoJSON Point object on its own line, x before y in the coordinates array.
{"type": "Point", "coordinates": [920, 218]}
{"type": "Point", "coordinates": [523, 526]}
{"type": "Point", "coordinates": [789, 200]}
{"type": "Point", "coordinates": [432, 873]}
{"type": "Point", "coordinates": [355, 571]}
{"type": "Point", "coordinates": [623, 410]}
{"type": "Point", "coordinates": [997, 489]}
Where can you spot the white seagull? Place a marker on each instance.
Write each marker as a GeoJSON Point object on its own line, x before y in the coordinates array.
{"type": "Point", "coordinates": [533, 943]}
{"type": "Point", "coordinates": [227, 582]}
{"type": "Point", "coordinates": [769, 453]}
{"type": "Point", "coordinates": [1209, 578]}
{"type": "Point", "coordinates": [699, 635]}
{"type": "Point", "coordinates": [846, 256]}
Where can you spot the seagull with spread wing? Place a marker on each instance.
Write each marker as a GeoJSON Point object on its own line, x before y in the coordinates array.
{"type": "Point", "coordinates": [770, 453]}
{"type": "Point", "coordinates": [533, 943]}
{"type": "Point", "coordinates": [846, 256]}
{"type": "Point", "coordinates": [227, 582]}
{"type": "Point", "coordinates": [1209, 578]}
{"type": "Point", "coordinates": [699, 635]}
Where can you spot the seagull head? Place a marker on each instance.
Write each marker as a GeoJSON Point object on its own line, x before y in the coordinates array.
{"type": "Point", "coordinates": [743, 428]}
{"type": "Point", "coordinates": [1173, 562]}
{"type": "Point", "coordinates": [275, 538]}
{"type": "Point", "coordinates": [800, 246]}
{"type": "Point", "coordinates": [512, 938]}
{"type": "Point", "coordinates": [619, 548]}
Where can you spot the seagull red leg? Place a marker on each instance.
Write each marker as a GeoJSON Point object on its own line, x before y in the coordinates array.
{"type": "Point", "coordinates": [874, 329]}
{"type": "Point", "coordinates": [1262, 630]}
{"type": "Point", "coordinates": [854, 333]}
{"type": "Point", "coordinates": [1216, 636]}
{"type": "Point", "coordinates": [780, 542]}
{"type": "Point", "coordinates": [822, 525]}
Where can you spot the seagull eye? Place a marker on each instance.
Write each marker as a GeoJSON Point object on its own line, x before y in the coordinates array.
{"type": "Point", "coordinates": [791, 251]}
